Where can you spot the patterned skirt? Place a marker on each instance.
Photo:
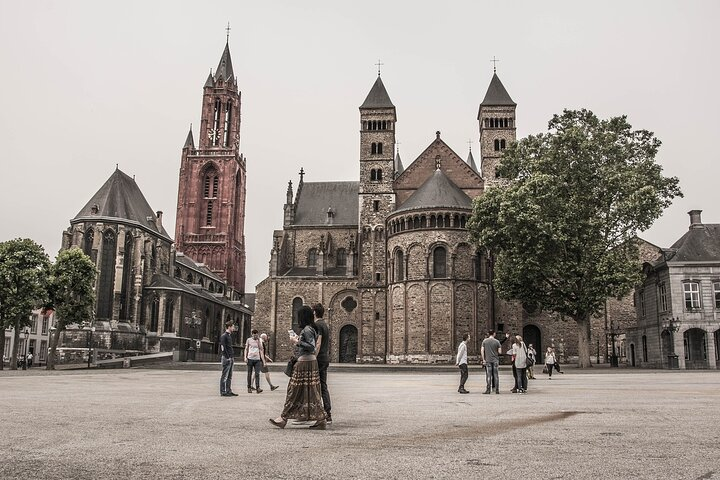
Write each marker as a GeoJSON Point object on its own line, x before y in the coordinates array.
{"type": "Point", "coordinates": [303, 400]}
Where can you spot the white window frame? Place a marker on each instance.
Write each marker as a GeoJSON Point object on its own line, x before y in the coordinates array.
{"type": "Point", "coordinates": [691, 294]}
{"type": "Point", "coordinates": [716, 294]}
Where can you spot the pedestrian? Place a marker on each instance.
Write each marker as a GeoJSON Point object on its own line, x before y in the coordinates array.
{"type": "Point", "coordinates": [557, 362]}
{"type": "Point", "coordinates": [29, 359]}
{"type": "Point", "coordinates": [461, 362]}
{"type": "Point", "coordinates": [322, 350]}
{"type": "Point", "coordinates": [490, 351]}
{"type": "Point", "coordinates": [520, 354]}
{"type": "Point", "coordinates": [227, 360]}
{"type": "Point", "coordinates": [254, 355]}
{"type": "Point", "coordinates": [303, 400]}
{"type": "Point", "coordinates": [532, 354]}
{"type": "Point", "coordinates": [265, 369]}
{"type": "Point", "coordinates": [549, 361]}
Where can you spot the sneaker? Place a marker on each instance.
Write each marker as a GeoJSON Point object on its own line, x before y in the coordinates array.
{"type": "Point", "coordinates": [328, 418]}
{"type": "Point", "coordinates": [259, 390]}
{"type": "Point", "coordinates": [274, 387]}
{"type": "Point", "coordinates": [463, 391]}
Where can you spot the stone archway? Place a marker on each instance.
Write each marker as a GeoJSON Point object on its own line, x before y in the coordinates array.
{"type": "Point", "coordinates": [348, 344]}
{"type": "Point", "coordinates": [532, 336]}
{"type": "Point", "coordinates": [695, 340]}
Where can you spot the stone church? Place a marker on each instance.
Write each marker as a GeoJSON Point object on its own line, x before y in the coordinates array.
{"type": "Point", "coordinates": [171, 293]}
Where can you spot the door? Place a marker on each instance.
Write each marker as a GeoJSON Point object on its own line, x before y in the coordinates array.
{"type": "Point", "coordinates": [348, 344]}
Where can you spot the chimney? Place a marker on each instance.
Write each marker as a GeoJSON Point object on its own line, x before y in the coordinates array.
{"type": "Point", "coordinates": [159, 219]}
{"type": "Point", "coordinates": [695, 221]}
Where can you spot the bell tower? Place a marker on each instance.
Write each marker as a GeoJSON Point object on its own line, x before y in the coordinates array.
{"type": "Point", "coordinates": [210, 225]}
{"type": "Point", "coordinates": [497, 128]}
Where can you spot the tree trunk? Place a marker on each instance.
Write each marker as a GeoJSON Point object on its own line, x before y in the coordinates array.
{"type": "Point", "coordinates": [583, 323]}
{"type": "Point", "coordinates": [16, 341]}
{"type": "Point", "coordinates": [54, 338]}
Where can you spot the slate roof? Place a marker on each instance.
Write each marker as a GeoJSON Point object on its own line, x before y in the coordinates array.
{"type": "Point", "coordinates": [471, 162]}
{"type": "Point", "coordinates": [378, 96]}
{"type": "Point", "coordinates": [166, 282]}
{"type": "Point", "coordinates": [438, 191]}
{"type": "Point", "coordinates": [225, 69]}
{"type": "Point", "coordinates": [398, 164]}
{"type": "Point", "coordinates": [496, 94]}
{"type": "Point", "coordinates": [186, 261]}
{"type": "Point", "coordinates": [189, 142]}
{"type": "Point", "coordinates": [699, 244]}
{"type": "Point", "coordinates": [314, 199]}
{"type": "Point", "coordinates": [120, 199]}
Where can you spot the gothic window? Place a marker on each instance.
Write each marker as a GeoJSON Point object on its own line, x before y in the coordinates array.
{"type": "Point", "coordinates": [107, 275]}
{"type": "Point", "coordinates": [154, 314]}
{"type": "Point", "coordinates": [439, 262]}
{"type": "Point", "coordinates": [88, 242]}
{"type": "Point", "coordinates": [216, 123]}
{"type": "Point", "coordinates": [496, 144]}
{"type": "Point", "coordinates": [127, 278]}
{"type": "Point", "coordinates": [209, 213]}
{"type": "Point", "coordinates": [341, 257]}
{"type": "Point", "coordinates": [384, 125]}
{"type": "Point", "coordinates": [399, 266]}
{"type": "Point", "coordinates": [641, 296]}
{"type": "Point", "coordinates": [502, 144]}
{"type": "Point", "coordinates": [691, 291]}
{"type": "Point", "coordinates": [228, 116]}
{"type": "Point", "coordinates": [296, 304]}
{"type": "Point", "coordinates": [215, 186]}
{"type": "Point", "coordinates": [312, 257]}
{"type": "Point", "coordinates": [169, 308]}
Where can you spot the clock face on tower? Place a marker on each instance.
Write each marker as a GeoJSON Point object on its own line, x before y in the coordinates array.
{"type": "Point", "coordinates": [214, 134]}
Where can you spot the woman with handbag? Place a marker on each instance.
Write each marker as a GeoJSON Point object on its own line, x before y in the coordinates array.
{"type": "Point", "coordinates": [303, 400]}
{"type": "Point", "coordinates": [549, 362]}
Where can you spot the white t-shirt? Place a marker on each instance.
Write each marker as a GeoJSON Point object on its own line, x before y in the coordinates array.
{"type": "Point", "coordinates": [253, 348]}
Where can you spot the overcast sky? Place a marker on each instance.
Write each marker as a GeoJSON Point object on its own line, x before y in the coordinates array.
{"type": "Point", "coordinates": [88, 84]}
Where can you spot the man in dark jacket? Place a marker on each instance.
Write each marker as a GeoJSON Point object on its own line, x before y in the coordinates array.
{"type": "Point", "coordinates": [227, 360]}
{"type": "Point", "coordinates": [323, 358]}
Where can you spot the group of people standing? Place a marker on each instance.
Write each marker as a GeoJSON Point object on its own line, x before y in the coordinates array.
{"type": "Point", "coordinates": [523, 360]}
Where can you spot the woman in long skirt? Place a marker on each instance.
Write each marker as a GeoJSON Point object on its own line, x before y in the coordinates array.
{"type": "Point", "coordinates": [303, 401]}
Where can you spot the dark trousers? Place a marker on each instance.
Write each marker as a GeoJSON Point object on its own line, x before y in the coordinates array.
{"type": "Point", "coordinates": [463, 374]}
{"type": "Point", "coordinates": [549, 367]}
{"type": "Point", "coordinates": [521, 379]}
{"type": "Point", "coordinates": [226, 376]}
{"type": "Point", "coordinates": [254, 365]}
{"type": "Point", "coordinates": [322, 368]}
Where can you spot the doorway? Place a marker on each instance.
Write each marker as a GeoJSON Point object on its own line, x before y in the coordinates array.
{"type": "Point", "coordinates": [532, 336]}
{"type": "Point", "coordinates": [348, 344]}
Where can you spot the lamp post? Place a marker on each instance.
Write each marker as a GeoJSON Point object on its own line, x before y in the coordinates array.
{"type": "Point", "coordinates": [672, 325]}
{"type": "Point", "coordinates": [26, 334]}
{"type": "Point", "coordinates": [90, 332]}
{"type": "Point", "coordinates": [613, 333]}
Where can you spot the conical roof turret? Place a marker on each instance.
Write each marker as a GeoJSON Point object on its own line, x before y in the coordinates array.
{"type": "Point", "coordinates": [438, 191]}
{"type": "Point", "coordinates": [471, 162]}
{"type": "Point", "coordinates": [224, 70]}
{"type": "Point", "coordinates": [378, 96]}
{"type": "Point", "coordinates": [189, 142]}
{"type": "Point", "coordinates": [496, 94]}
{"type": "Point", "coordinates": [398, 164]}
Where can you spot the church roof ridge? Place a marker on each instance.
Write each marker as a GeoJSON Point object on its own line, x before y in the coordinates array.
{"type": "Point", "coordinates": [378, 96]}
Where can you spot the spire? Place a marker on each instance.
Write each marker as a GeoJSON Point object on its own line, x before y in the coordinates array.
{"type": "Point", "coordinates": [398, 164]}
{"type": "Point", "coordinates": [378, 96]}
{"type": "Point", "coordinates": [210, 82]}
{"type": "Point", "coordinates": [225, 69]}
{"type": "Point", "coordinates": [496, 93]}
{"type": "Point", "coordinates": [189, 142]}
{"type": "Point", "coordinates": [471, 162]}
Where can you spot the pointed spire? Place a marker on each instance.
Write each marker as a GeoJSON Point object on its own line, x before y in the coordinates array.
{"type": "Point", "coordinates": [398, 164]}
{"type": "Point", "coordinates": [225, 69]}
{"type": "Point", "coordinates": [289, 193]}
{"type": "Point", "coordinates": [496, 93]}
{"type": "Point", "coordinates": [189, 142]}
{"type": "Point", "coordinates": [378, 96]}
{"type": "Point", "coordinates": [471, 162]}
{"type": "Point", "coordinates": [210, 82]}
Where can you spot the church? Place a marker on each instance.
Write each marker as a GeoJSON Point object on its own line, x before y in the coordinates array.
{"type": "Point", "coordinates": [389, 255]}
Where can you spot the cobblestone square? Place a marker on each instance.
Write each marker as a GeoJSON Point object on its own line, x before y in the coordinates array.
{"type": "Point", "coordinates": [145, 423]}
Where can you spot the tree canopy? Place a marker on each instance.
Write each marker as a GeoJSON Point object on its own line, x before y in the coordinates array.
{"type": "Point", "coordinates": [562, 224]}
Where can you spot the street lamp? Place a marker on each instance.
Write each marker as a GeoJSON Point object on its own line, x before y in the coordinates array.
{"type": "Point", "coordinates": [672, 325]}
{"type": "Point", "coordinates": [90, 332]}
{"type": "Point", "coordinates": [613, 333]}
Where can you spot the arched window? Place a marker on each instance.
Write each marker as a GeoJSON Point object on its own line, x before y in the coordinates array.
{"type": "Point", "coordinates": [202, 282]}
{"type": "Point", "coordinates": [296, 304]}
{"type": "Point", "coordinates": [440, 221]}
{"type": "Point", "coordinates": [169, 309]}
{"type": "Point", "coordinates": [373, 175]}
{"type": "Point", "coordinates": [189, 278]}
{"type": "Point", "coordinates": [341, 257]}
{"type": "Point", "coordinates": [423, 221]}
{"type": "Point", "coordinates": [496, 144]}
{"type": "Point", "coordinates": [416, 222]}
{"type": "Point", "coordinates": [463, 221]}
{"type": "Point", "coordinates": [216, 124]}
{"type": "Point", "coordinates": [312, 257]}
{"type": "Point", "coordinates": [211, 287]}
{"type": "Point", "coordinates": [439, 262]}
{"type": "Point", "coordinates": [373, 148]}
{"type": "Point", "coordinates": [399, 266]}
{"type": "Point", "coordinates": [379, 170]}
{"type": "Point", "coordinates": [433, 221]}
{"type": "Point", "coordinates": [154, 314]}
{"type": "Point", "coordinates": [127, 278]}
{"type": "Point", "coordinates": [226, 132]}
{"type": "Point", "coordinates": [364, 125]}
{"type": "Point", "coordinates": [107, 275]}
{"type": "Point", "coordinates": [379, 148]}
{"type": "Point", "coordinates": [384, 125]}
{"type": "Point", "coordinates": [89, 238]}
{"type": "Point", "coordinates": [456, 221]}
{"type": "Point", "coordinates": [502, 144]}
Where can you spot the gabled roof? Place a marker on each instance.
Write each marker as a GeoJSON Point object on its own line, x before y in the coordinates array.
{"type": "Point", "coordinates": [398, 164]}
{"type": "Point", "coordinates": [471, 162]}
{"type": "Point", "coordinates": [225, 69]}
{"type": "Point", "coordinates": [315, 198]}
{"type": "Point", "coordinates": [438, 191]}
{"type": "Point", "coordinates": [699, 244]}
{"type": "Point", "coordinates": [496, 94]}
{"type": "Point", "coordinates": [378, 96]}
{"type": "Point", "coordinates": [120, 199]}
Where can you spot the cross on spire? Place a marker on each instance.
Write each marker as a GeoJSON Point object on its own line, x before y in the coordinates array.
{"type": "Point", "coordinates": [470, 145]}
{"type": "Point", "coordinates": [494, 62]}
{"type": "Point", "coordinates": [379, 64]}
{"type": "Point", "coordinates": [227, 31]}
{"type": "Point", "coordinates": [397, 147]}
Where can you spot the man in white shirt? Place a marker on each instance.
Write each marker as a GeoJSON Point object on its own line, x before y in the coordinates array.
{"type": "Point", "coordinates": [461, 362]}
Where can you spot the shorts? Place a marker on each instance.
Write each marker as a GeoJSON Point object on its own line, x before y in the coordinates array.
{"type": "Point", "coordinates": [264, 369]}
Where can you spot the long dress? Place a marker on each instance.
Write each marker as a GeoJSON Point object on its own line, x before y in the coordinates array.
{"type": "Point", "coordinates": [303, 400]}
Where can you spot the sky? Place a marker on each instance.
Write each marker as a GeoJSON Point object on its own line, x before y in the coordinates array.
{"type": "Point", "coordinates": [86, 85]}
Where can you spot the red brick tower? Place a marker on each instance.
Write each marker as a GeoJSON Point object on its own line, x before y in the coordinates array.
{"type": "Point", "coordinates": [210, 225]}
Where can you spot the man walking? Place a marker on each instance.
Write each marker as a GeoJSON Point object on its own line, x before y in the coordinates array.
{"type": "Point", "coordinates": [254, 355]}
{"type": "Point", "coordinates": [227, 360]}
{"type": "Point", "coordinates": [461, 362]}
{"type": "Point", "coordinates": [490, 351]}
{"type": "Point", "coordinates": [322, 351]}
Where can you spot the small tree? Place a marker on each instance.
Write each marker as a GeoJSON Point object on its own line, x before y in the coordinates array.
{"type": "Point", "coordinates": [561, 227]}
{"type": "Point", "coordinates": [70, 288]}
{"type": "Point", "coordinates": [23, 273]}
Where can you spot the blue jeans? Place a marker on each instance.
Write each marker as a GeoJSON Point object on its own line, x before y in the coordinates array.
{"type": "Point", "coordinates": [492, 376]}
{"type": "Point", "coordinates": [226, 377]}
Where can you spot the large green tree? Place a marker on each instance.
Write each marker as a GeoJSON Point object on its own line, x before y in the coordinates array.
{"type": "Point", "coordinates": [70, 288]}
{"type": "Point", "coordinates": [23, 273]}
{"type": "Point", "coordinates": [560, 226]}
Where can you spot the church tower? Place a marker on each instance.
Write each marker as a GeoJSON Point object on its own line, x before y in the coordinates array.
{"type": "Point", "coordinates": [210, 226]}
{"type": "Point", "coordinates": [377, 200]}
{"type": "Point", "coordinates": [497, 128]}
